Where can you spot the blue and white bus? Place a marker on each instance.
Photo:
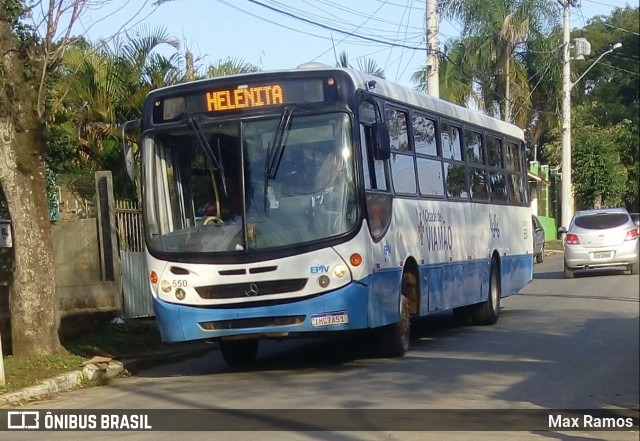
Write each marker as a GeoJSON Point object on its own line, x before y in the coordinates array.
{"type": "Point", "coordinates": [318, 200]}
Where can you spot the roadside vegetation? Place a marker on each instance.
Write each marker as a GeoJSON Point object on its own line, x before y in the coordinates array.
{"type": "Point", "coordinates": [137, 338]}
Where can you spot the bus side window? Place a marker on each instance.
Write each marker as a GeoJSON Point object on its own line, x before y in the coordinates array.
{"type": "Point", "coordinates": [401, 163]}
{"type": "Point", "coordinates": [375, 177]}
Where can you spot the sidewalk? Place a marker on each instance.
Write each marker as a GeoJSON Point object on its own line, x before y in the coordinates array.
{"type": "Point", "coordinates": [98, 370]}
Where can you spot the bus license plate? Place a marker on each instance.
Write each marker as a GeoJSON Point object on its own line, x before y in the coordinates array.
{"type": "Point", "coordinates": [331, 318]}
{"type": "Point", "coordinates": [603, 255]}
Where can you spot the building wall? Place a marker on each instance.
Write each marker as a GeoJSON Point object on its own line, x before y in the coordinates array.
{"type": "Point", "coordinates": [80, 284]}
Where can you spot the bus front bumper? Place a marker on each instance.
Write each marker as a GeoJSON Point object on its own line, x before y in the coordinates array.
{"type": "Point", "coordinates": [340, 310]}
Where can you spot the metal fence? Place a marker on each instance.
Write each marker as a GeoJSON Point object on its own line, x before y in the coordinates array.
{"type": "Point", "coordinates": [135, 285]}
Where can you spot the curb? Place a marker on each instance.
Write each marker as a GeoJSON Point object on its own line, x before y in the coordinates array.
{"type": "Point", "coordinates": [93, 374]}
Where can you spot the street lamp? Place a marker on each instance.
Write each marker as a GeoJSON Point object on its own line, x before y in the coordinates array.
{"type": "Point", "coordinates": [567, 85]}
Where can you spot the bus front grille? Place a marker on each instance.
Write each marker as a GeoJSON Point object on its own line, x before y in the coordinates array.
{"type": "Point", "coordinates": [258, 322]}
{"type": "Point", "coordinates": [250, 290]}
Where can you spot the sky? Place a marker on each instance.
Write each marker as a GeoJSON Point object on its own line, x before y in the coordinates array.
{"type": "Point", "coordinates": [257, 34]}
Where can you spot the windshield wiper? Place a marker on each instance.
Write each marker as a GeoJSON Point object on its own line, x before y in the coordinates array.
{"type": "Point", "coordinates": [274, 153]}
{"type": "Point", "coordinates": [216, 161]}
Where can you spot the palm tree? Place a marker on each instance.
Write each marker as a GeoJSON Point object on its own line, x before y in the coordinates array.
{"type": "Point", "coordinates": [456, 85]}
{"type": "Point", "coordinates": [102, 85]}
{"type": "Point", "coordinates": [367, 65]}
{"type": "Point", "coordinates": [230, 66]}
{"type": "Point", "coordinates": [493, 32]}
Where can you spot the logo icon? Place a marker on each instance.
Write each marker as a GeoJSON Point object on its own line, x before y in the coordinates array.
{"type": "Point", "coordinates": [252, 291]}
{"type": "Point", "coordinates": [23, 419]}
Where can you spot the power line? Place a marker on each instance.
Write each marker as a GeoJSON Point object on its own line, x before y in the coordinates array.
{"type": "Point", "coordinates": [357, 27]}
{"type": "Point", "coordinates": [331, 28]}
{"type": "Point", "coordinates": [620, 69]}
{"type": "Point", "coordinates": [616, 27]}
{"type": "Point", "coordinates": [272, 22]}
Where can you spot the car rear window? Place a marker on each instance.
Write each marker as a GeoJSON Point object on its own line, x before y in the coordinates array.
{"type": "Point", "coordinates": [602, 221]}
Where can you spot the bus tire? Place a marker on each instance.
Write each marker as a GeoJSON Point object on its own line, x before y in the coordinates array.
{"type": "Point", "coordinates": [393, 340]}
{"type": "Point", "coordinates": [462, 315]}
{"type": "Point", "coordinates": [488, 311]}
{"type": "Point", "coordinates": [239, 352]}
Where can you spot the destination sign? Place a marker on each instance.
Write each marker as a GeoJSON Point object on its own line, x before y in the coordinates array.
{"type": "Point", "coordinates": [245, 97]}
{"type": "Point", "coordinates": [225, 97]}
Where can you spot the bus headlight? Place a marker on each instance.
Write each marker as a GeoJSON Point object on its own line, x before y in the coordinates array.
{"type": "Point", "coordinates": [180, 294]}
{"type": "Point", "coordinates": [339, 271]}
{"type": "Point", "coordinates": [323, 281]}
{"type": "Point", "coordinates": [165, 286]}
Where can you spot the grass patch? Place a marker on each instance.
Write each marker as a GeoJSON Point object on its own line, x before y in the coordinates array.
{"type": "Point", "coordinates": [117, 341]}
{"type": "Point", "coordinates": [134, 337]}
{"type": "Point", "coordinates": [22, 372]}
{"type": "Point", "coordinates": [554, 245]}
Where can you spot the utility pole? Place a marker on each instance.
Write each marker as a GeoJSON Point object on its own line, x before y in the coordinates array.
{"type": "Point", "coordinates": [582, 48]}
{"type": "Point", "coordinates": [433, 85]}
{"type": "Point", "coordinates": [567, 186]}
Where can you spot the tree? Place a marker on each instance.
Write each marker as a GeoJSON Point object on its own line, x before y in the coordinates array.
{"type": "Point", "coordinates": [495, 33]}
{"type": "Point", "coordinates": [456, 84]}
{"type": "Point", "coordinates": [22, 177]}
{"type": "Point", "coordinates": [230, 66]}
{"type": "Point", "coordinates": [100, 85]}
{"type": "Point", "coordinates": [367, 65]}
{"type": "Point", "coordinates": [598, 173]}
{"type": "Point", "coordinates": [605, 115]}
{"type": "Point", "coordinates": [25, 73]}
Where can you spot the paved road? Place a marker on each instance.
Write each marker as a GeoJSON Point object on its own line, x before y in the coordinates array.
{"type": "Point", "coordinates": [560, 344]}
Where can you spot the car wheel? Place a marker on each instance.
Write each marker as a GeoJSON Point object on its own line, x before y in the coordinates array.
{"type": "Point", "coordinates": [568, 272]}
{"type": "Point", "coordinates": [540, 257]}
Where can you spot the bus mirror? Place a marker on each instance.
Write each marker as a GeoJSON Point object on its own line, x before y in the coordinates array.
{"type": "Point", "coordinates": [129, 161]}
{"type": "Point", "coordinates": [381, 142]}
{"type": "Point", "coordinates": [127, 148]}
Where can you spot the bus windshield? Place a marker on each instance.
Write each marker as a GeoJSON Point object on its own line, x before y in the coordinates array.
{"type": "Point", "coordinates": [247, 185]}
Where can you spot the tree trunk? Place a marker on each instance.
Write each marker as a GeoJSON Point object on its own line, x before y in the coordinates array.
{"type": "Point", "coordinates": [32, 300]}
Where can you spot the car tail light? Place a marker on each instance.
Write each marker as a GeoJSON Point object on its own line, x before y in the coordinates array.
{"type": "Point", "coordinates": [572, 239]}
{"type": "Point", "coordinates": [632, 234]}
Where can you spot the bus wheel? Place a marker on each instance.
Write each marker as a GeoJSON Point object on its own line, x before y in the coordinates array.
{"type": "Point", "coordinates": [394, 339]}
{"type": "Point", "coordinates": [462, 315]}
{"type": "Point", "coordinates": [239, 352]}
{"type": "Point", "coordinates": [487, 312]}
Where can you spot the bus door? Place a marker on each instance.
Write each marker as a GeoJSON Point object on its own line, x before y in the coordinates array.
{"type": "Point", "coordinates": [385, 274]}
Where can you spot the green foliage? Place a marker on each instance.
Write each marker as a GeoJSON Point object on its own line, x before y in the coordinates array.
{"type": "Point", "coordinates": [98, 87]}
{"type": "Point", "coordinates": [598, 173]}
{"type": "Point", "coordinates": [605, 115]}
{"type": "Point", "coordinates": [230, 66]}
{"type": "Point", "coordinates": [489, 52]}
{"type": "Point", "coordinates": [367, 65]}
{"type": "Point", "coordinates": [600, 170]}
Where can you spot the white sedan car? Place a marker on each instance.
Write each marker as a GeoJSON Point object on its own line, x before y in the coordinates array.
{"type": "Point", "coordinates": [600, 238]}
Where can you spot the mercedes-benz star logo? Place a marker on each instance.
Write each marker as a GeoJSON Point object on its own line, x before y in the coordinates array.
{"type": "Point", "coordinates": [252, 291]}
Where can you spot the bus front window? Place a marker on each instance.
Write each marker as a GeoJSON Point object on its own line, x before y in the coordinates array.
{"type": "Point", "coordinates": [207, 188]}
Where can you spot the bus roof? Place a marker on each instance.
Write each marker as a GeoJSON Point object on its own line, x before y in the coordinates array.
{"type": "Point", "coordinates": [444, 108]}
{"type": "Point", "coordinates": [398, 93]}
